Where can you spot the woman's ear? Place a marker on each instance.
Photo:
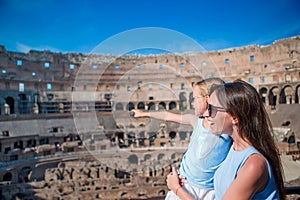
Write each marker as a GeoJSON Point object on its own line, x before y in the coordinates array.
{"type": "Point", "coordinates": [235, 120]}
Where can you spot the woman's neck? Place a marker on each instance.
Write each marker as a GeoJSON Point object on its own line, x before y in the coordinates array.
{"type": "Point", "coordinates": [239, 143]}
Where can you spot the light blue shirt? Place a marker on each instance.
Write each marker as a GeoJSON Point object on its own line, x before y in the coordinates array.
{"type": "Point", "coordinates": [203, 156]}
{"type": "Point", "coordinates": [227, 172]}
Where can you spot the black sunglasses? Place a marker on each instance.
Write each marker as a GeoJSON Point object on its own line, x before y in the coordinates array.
{"type": "Point", "coordinates": [212, 110]}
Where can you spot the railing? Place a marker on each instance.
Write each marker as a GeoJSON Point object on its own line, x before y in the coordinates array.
{"type": "Point", "coordinates": [292, 190]}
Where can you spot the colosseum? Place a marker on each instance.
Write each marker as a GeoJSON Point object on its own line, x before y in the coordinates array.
{"type": "Point", "coordinates": [67, 131]}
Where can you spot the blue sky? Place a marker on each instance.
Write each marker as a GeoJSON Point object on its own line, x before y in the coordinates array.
{"type": "Point", "coordinates": [80, 26]}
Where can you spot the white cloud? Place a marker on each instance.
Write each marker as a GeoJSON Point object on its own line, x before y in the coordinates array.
{"type": "Point", "coordinates": [25, 48]}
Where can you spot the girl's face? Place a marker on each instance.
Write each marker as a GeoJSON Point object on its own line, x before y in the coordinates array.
{"type": "Point", "coordinates": [218, 119]}
{"type": "Point", "coordinates": [199, 101]}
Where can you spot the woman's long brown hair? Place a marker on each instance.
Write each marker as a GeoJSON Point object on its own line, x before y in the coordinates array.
{"type": "Point", "coordinates": [243, 101]}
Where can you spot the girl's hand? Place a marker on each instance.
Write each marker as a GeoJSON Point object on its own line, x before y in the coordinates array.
{"type": "Point", "coordinates": [182, 180]}
{"type": "Point", "coordinates": [173, 180]}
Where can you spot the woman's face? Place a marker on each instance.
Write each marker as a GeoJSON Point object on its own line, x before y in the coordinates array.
{"type": "Point", "coordinates": [199, 101]}
{"type": "Point", "coordinates": [218, 119]}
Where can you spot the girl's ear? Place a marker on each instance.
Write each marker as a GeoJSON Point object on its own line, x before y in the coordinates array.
{"type": "Point", "coordinates": [206, 98]}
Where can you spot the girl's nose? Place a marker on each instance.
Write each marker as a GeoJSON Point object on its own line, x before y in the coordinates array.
{"type": "Point", "coordinates": [206, 113]}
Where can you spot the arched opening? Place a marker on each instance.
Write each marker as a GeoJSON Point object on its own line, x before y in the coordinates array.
{"type": "Point", "coordinates": [141, 106]}
{"type": "Point", "coordinates": [162, 106]}
{"type": "Point", "coordinates": [182, 101]}
{"type": "Point", "coordinates": [130, 106]}
{"type": "Point", "coordinates": [263, 94]}
{"type": "Point", "coordinates": [273, 97]}
{"type": "Point", "coordinates": [172, 134]}
{"type": "Point", "coordinates": [23, 104]}
{"type": "Point", "coordinates": [18, 144]}
{"type": "Point", "coordinates": [119, 106]}
{"type": "Point", "coordinates": [31, 143]}
{"type": "Point", "coordinates": [133, 159]}
{"type": "Point", "coordinates": [131, 138]}
{"type": "Point", "coordinates": [162, 193]}
{"type": "Point", "coordinates": [121, 140]}
{"type": "Point", "coordinates": [182, 135]}
{"type": "Point", "coordinates": [23, 175]}
{"type": "Point", "coordinates": [11, 102]}
{"type": "Point", "coordinates": [191, 99]}
{"type": "Point", "coordinates": [141, 139]}
{"type": "Point", "coordinates": [297, 94]}
{"type": "Point", "coordinates": [151, 106]}
{"type": "Point", "coordinates": [152, 137]}
{"type": "Point", "coordinates": [7, 177]}
{"type": "Point", "coordinates": [286, 95]}
{"type": "Point", "coordinates": [172, 105]}
{"type": "Point", "coordinates": [291, 140]}
{"type": "Point", "coordinates": [147, 157]}
{"type": "Point", "coordinates": [160, 156]}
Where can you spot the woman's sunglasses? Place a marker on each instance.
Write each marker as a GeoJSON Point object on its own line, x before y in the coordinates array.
{"type": "Point", "coordinates": [212, 110]}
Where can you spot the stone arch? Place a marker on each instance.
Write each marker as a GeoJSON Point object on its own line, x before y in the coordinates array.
{"type": "Point", "coordinates": [172, 134]}
{"type": "Point", "coordinates": [162, 193]}
{"type": "Point", "coordinates": [23, 175]}
{"type": "Point", "coordinates": [172, 105]}
{"type": "Point", "coordinates": [297, 94]}
{"type": "Point", "coordinates": [18, 144]}
{"type": "Point", "coordinates": [133, 159]}
{"type": "Point", "coordinates": [182, 101]}
{"type": "Point", "coordinates": [182, 135]}
{"type": "Point", "coordinates": [11, 103]}
{"type": "Point", "coordinates": [162, 106]}
{"type": "Point", "coordinates": [147, 157]}
{"type": "Point", "coordinates": [174, 156]}
{"type": "Point", "coordinates": [263, 94]}
{"type": "Point", "coordinates": [130, 106]}
{"type": "Point", "coordinates": [141, 106]}
{"type": "Point", "coordinates": [23, 103]}
{"type": "Point", "coordinates": [151, 106]}
{"type": "Point", "coordinates": [142, 134]}
{"type": "Point", "coordinates": [142, 124]}
{"type": "Point", "coordinates": [160, 156]}
{"type": "Point", "coordinates": [291, 139]}
{"type": "Point", "coordinates": [191, 99]}
{"type": "Point", "coordinates": [7, 176]}
{"type": "Point", "coordinates": [286, 95]}
{"type": "Point", "coordinates": [131, 138]}
{"type": "Point", "coordinates": [273, 96]}
{"type": "Point", "coordinates": [119, 106]}
{"type": "Point", "coordinates": [141, 139]}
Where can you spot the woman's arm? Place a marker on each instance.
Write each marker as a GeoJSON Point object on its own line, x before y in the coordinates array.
{"type": "Point", "coordinates": [168, 116]}
{"type": "Point", "coordinates": [251, 179]}
{"type": "Point", "coordinates": [173, 183]}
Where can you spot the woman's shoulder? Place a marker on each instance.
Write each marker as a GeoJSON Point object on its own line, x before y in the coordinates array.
{"type": "Point", "coordinates": [256, 162]}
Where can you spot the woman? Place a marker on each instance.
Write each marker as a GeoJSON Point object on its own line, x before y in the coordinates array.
{"type": "Point", "coordinates": [252, 169]}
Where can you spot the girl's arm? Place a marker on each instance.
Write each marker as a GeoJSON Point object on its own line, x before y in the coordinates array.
{"type": "Point", "coordinates": [168, 116]}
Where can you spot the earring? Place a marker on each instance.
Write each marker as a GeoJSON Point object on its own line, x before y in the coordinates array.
{"type": "Point", "coordinates": [234, 127]}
